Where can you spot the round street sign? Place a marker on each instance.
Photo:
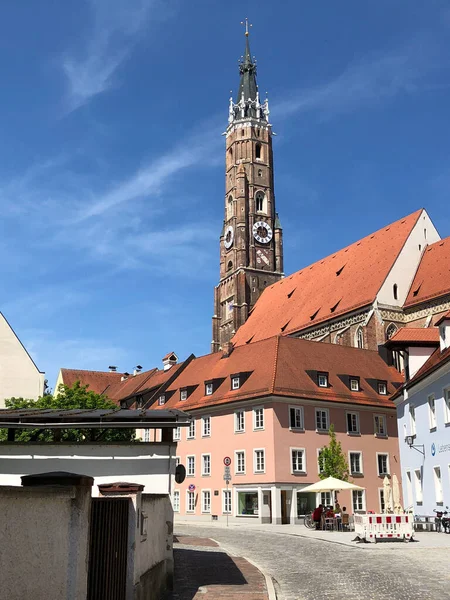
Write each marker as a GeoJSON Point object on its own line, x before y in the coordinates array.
{"type": "Point", "coordinates": [191, 488]}
{"type": "Point", "coordinates": [227, 461]}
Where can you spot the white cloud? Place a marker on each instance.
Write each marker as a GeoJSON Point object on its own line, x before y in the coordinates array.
{"type": "Point", "coordinates": [115, 29]}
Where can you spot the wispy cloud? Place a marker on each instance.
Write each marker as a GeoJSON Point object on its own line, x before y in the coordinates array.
{"type": "Point", "coordinates": [115, 29]}
{"type": "Point", "coordinates": [368, 82]}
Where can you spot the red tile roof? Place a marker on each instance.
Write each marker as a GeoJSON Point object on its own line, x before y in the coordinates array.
{"type": "Point", "coordinates": [432, 279]}
{"type": "Point", "coordinates": [337, 284]}
{"type": "Point", "coordinates": [436, 360]}
{"type": "Point", "coordinates": [444, 317]}
{"type": "Point", "coordinates": [284, 366]}
{"type": "Point", "coordinates": [98, 381]}
{"type": "Point", "coordinates": [415, 336]}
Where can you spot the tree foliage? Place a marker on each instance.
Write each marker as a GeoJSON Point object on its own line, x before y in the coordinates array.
{"type": "Point", "coordinates": [77, 396]}
{"type": "Point", "coordinates": [332, 460]}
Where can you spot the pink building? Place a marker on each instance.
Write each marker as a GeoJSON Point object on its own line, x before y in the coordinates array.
{"type": "Point", "coordinates": [268, 407]}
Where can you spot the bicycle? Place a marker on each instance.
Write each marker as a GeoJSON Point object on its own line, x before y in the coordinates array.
{"type": "Point", "coordinates": [439, 521]}
{"type": "Point", "coordinates": [308, 521]}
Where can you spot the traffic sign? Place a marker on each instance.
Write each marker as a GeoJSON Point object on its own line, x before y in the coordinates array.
{"type": "Point", "coordinates": [191, 488]}
{"type": "Point", "coordinates": [227, 474]}
{"type": "Point", "coordinates": [227, 461]}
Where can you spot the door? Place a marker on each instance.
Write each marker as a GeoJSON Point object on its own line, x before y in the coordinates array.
{"type": "Point", "coordinates": [108, 547]}
{"type": "Point", "coordinates": [284, 508]}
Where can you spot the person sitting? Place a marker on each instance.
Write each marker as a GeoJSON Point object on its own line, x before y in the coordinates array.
{"type": "Point", "coordinates": [317, 515]}
{"type": "Point", "coordinates": [337, 510]}
{"type": "Point", "coordinates": [329, 514]}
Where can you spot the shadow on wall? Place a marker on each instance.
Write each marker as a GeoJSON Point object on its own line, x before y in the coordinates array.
{"type": "Point", "coordinates": [195, 569]}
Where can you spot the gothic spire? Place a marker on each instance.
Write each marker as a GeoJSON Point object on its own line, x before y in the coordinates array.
{"type": "Point", "coordinates": [247, 69]}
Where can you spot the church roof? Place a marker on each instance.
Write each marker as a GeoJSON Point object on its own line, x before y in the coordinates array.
{"type": "Point", "coordinates": [98, 381]}
{"type": "Point", "coordinates": [432, 278]}
{"type": "Point", "coordinates": [247, 85]}
{"type": "Point", "coordinates": [344, 281]}
{"type": "Point", "coordinates": [288, 367]}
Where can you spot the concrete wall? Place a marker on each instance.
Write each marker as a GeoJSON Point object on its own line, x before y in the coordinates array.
{"type": "Point", "coordinates": [19, 376]}
{"type": "Point", "coordinates": [149, 464]}
{"type": "Point", "coordinates": [435, 442]}
{"type": "Point", "coordinates": [44, 542]}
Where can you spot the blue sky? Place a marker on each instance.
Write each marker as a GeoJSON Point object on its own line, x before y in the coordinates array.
{"type": "Point", "coordinates": [111, 154]}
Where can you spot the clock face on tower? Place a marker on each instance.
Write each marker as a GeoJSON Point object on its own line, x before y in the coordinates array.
{"type": "Point", "coordinates": [228, 237]}
{"type": "Point", "coordinates": [262, 232]}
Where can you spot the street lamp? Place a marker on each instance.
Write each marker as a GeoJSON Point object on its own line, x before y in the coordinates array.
{"type": "Point", "coordinates": [410, 441]}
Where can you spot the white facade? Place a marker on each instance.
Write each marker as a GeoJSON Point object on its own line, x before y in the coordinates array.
{"type": "Point", "coordinates": [425, 414]}
{"type": "Point", "coordinates": [148, 464]}
{"type": "Point", "coordinates": [19, 376]}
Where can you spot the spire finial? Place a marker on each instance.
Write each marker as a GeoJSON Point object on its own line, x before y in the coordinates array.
{"type": "Point", "coordinates": [247, 25]}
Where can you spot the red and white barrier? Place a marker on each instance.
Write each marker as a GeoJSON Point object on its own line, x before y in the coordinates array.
{"type": "Point", "coordinates": [384, 527]}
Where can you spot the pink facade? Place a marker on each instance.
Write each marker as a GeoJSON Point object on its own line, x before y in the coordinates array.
{"type": "Point", "coordinates": [266, 486]}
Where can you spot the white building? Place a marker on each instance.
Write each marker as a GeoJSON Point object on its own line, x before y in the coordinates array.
{"type": "Point", "coordinates": [423, 415]}
{"type": "Point", "coordinates": [19, 376]}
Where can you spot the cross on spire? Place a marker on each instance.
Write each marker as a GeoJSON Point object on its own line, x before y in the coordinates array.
{"type": "Point", "coordinates": [247, 25]}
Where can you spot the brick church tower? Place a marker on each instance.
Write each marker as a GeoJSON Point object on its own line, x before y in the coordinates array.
{"type": "Point", "coordinates": [251, 243]}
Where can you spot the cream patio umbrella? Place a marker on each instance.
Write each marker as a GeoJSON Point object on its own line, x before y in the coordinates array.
{"type": "Point", "coordinates": [331, 484]}
{"type": "Point", "coordinates": [396, 494]}
{"type": "Point", "coordinates": [387, 492]}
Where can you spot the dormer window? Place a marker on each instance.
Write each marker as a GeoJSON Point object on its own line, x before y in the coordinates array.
{"type": "Point", "coordinates": [322, 380]}
{"type": "Point", "coordinates": [183, 394]}
{"type": "Point", "coordinates": [162, 400]}
{"type": "Point", "coordinates": [354, 384]}
{"type": "Point", "coordinates": [382, 388]}
{"type": "Point", "coordinates": [235, 383]}
{"type": "Point", "coordinates": [209, 388]}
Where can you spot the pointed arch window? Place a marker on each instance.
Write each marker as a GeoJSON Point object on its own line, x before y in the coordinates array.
{"type": "Point", "coordinates": [359, 338]}
{"type": "Point", "coordinates": [260, 202]}
{"type": "Point", "coordinates": [230, 207]}
{"type": "Point", "coordinates": [258, 151]}
{"type": "Point", "coordinates": [391, 330]}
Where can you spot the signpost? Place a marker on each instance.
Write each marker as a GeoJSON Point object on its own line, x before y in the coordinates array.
{"type": "Point", "coordinates": [191, 487]}
{"type": "Point", "coordinates": [227, 476]}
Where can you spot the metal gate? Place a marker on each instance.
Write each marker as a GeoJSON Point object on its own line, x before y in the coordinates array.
{"type": "Point", "coordinates": [108, 546]}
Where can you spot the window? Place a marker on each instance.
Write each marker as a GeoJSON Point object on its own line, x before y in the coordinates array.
{"type": "Point", "coordinates": [258, 418]}
{"type": "Point", "coordinates": [352, 422]}
{"type": "Point", "coordinates": [359, 338]}
{"type": "Point", "coordinates": [391, 330]}
{"type": "Point", "coordinates": [382, 388]}
{"type": "Point", "coordinates": [226, 502]}
{"type": "Point", "coordinates": [235, 383]}
{"type": "Point", "coordinates": [322, 380]}
{"type": "Point", "coordinates": [146, 435]}
{"type": "Point", "coordinates": [354, 384]}
{"type": "Point", "coordinates": [259, 465]}
{"type": "Point", "coordinates": [191, 431]}
{"type": "Point", "coordinates": [239, 421]}
{"type": "Point", "coordinates": [322, 419]}
{"type": "Point", "coordinates": [296, 417]}
{"type": "Point", "coordinates": [383, 464]}
{"type": "Point", "coordinates": [259, 172]}
{"type": "Point", "coordinates": [206, 426]}
{"type": "Point", "coordinates": [230, 207]}
{"type": "Point", "coordinates": [177, 433]}
{"type": "Point", "coordinates": [176, 501]}
{"type": "Point", "coordinates": [161, 400]}
{"type": "Point", "coordinates": [239, 461]}
{"type": "Point", "coordinates": [412, 418]}
{"type": "Point", "coordinates": [395, 291]}
{"type": "Point", "coordinates": [380, 425]}
{"type": "Point", "coordinates": [206, 501]}
{"type": "Point", "coordinates": [432, 411]}
{"type": "Point", "coordinates": [190, 502]}
{"type": "Point", "coordinates": [325, 499]}
{"type": "Point", "coordinates": [447, 405]}
{"type": "Point", "coordinates": [298, 462]}
{"type": "Point", "coordinates": [190, 465]}
{"type": "Point", "coordinates": [247, 503]}
{"type": "Point", "coordinates": [259, 201]}
{"type": "Point", "coordinates": [258, 151]}
{"type": "Point", "coordinates": [206, 464]}
{"type": "Point", "coordinates": [418, 485]}
{"type": "Point", "coordinates": [358, 500]}
{"type": "Point", "coordinates": [381, 499]}
{"type": "Point", "coordinates": [355, 463]}
{"type": "Point", "coordinates": [183, 395]}
{"type": "Point", "coordinates": [438, 485]}
{"type": "Point", "coordinates": [208, 389]}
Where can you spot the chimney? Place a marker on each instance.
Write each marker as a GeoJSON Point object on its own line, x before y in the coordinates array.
{"type": "Point", "coordinates": [112, 369]}
{"type": "Point", "coordinates": [169, 360]}
{"type": "Point", "coordinates": [124, 377]}
{"type": "Point", "coordinates": [137, 369]}
{"type": "Point", "coordinates": [227, 349]}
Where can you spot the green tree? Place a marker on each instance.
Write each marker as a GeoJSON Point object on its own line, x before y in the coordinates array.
{"type": "Point", "coordinates": [77, 396]}
{"type": "Point", "coordinates": [332, 460]}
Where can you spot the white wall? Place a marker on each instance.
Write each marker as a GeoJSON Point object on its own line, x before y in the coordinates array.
{"type": "Point", "coordinates": [405, 267]}
{"type": "Point", "coordinates": [149, 464]}
{"type": "Point", "coordinates": [19, 376]}
{"type": "Point", "coordinates": [417, 357]}
{"type": "Point", "coordinates": [44, 542]}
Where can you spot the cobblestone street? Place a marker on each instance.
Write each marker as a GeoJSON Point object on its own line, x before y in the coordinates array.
{"type": "Point", "coordinates": [309, 569]}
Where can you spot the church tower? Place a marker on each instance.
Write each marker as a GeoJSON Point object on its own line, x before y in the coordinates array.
{"type": "Point", "coordinates": [251, 243]}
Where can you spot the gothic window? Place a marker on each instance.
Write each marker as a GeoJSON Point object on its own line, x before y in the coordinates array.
{"type": "Point", "coordinates": [259, 172]}
{"type": "Point", "coordinates": [230, 207]}
{"type": "Point", "coordinates": [390, 331]}
{"type": "Point", "coordinates": [229, 266]}
{"type": "Point", "coordinates": [359, 338]}
{"type": "Point", "coordinates": [260, 202]}
{"type": "Point", "coordinates": [258, 151]}
{"type": "Point", "coordinates": [395, 291]}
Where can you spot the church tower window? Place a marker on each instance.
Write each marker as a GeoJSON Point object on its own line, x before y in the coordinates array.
{"type": "Point", "coordinates": [359, 338]}
{"type": "Point", "coordinates": [229, 265]}
{"type": "Point", "coordinates": [258, 151]}
{"type": "Point", "coordinates": [230, 207]}
{"type": "Point", "coordinates": [260, 202]}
